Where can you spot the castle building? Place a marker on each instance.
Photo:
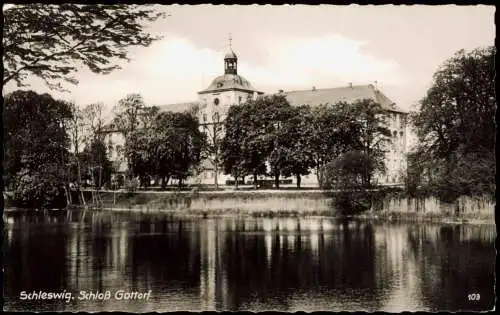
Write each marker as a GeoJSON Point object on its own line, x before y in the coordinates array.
{"type": "Point", "coordinates": [232, 89]}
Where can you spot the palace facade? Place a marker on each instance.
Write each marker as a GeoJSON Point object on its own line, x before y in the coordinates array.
{"type": "Point", "coordinates": [231, 89]}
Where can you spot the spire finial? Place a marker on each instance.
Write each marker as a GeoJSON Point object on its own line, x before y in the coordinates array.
{"type": "Point", "coordinates": [230, 40]}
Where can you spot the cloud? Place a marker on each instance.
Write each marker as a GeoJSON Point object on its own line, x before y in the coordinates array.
{"type": "Point", "coordinates": [174, 69]}
{"type": "Point", "coordinates": [326, 60]}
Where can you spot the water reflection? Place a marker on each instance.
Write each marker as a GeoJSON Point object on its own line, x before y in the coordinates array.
{"type": "Point", "coordinates": [246, 264]}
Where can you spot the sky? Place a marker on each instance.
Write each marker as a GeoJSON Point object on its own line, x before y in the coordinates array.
{"type": "Point", "coordinates": [290, 48]}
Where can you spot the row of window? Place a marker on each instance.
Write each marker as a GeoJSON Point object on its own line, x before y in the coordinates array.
{"type": "Point", "coordinates": [215, 117]}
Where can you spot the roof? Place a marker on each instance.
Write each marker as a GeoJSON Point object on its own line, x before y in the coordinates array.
{"type": "Point", "coordinates": [229, 82]}
{"type": "Point", "coordinates": [177, 107]}
{"type": "Point", "coordinates": [230, 55]}
{"type": "Point", "coordinates": [349, 94]}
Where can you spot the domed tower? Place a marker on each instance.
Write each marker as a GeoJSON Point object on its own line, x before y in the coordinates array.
{"type": "Point", "coordinates": [225, 91]}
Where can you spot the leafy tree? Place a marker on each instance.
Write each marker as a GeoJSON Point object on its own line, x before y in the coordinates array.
{"type": "Point", "coordinates": [52, 41]}
{"type": "Point", "coordinates": [231, 149]}
{"type": "Point", "coordinates": [330, 132]}
{"type": "Point", "coordinates": [76, 131]}
{"type": "Point", "coordinates": [128, 119]}
{"type": "Point", "coordinates": [349, 170]}
{"type": "Point", "coordinates": [457, 114]}
{"type": "Point", "coordinates": [373, 136]}
{"type": "Point", "coordinates": [252, 136]}
{"type": "Point", "coordinates": [456, 127]}
{"type": "Point", "coordinates": [171, 148]}
{"type": "Point", "coordinates": [298, 157]}
{"type": "Point", "coordinates": [36, 146]}
{"type": "Point", "coordinates": [277, 119]}
{"type": "Point", "coordinates": [96, 163]}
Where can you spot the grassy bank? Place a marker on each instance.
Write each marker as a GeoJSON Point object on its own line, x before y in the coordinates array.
{"type": "Point", "coordinates": [373, 205]}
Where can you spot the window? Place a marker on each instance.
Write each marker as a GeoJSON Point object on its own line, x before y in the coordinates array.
{"type": "Point", "coordinates": [216, 101]}
{"type": "Point", "coordinates": [239, 99]}
{"type": "Point", "coordinates": [204, 117]}
{"type": "Point", "coordinates": [216, 117]}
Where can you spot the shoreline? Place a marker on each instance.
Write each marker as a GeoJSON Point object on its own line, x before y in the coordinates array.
{"type": "Point", "coordinates": [388, 205]}
{"type": "Point", "coordinates": [384, 217]}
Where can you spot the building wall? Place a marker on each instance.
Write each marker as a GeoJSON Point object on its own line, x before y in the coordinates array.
{"type": "Point", "coordinates": [226, 99]}
{"type": "Point", "coordinates": [396, 156]}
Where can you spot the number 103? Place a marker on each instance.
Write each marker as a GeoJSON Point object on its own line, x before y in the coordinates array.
{"type": "Point", "coordinates": [474, 297]}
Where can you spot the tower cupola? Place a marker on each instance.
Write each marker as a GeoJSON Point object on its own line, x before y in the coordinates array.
{"type": "Point", "coordinates": [230, 61]}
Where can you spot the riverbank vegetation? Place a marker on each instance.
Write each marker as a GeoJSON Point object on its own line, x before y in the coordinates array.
{"type": "Point", "coordinates": [456, 129]}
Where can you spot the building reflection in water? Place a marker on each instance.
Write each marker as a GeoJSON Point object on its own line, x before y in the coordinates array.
{"type": "Point", "coordinates": [235, 264]}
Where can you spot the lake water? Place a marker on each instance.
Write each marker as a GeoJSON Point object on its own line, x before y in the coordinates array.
{"type": "Point", "coordinates": [252, 264]}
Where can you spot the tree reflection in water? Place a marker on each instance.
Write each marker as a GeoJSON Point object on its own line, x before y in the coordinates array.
{"type": "Point", "coordinates": [247, 264]}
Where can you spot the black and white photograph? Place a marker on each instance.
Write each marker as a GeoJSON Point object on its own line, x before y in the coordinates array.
{"type": "Point", "coordinates": [163, 158]}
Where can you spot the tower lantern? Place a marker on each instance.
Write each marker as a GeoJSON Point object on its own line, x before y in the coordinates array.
{"type": "Point", "coordinates": [230, 60]}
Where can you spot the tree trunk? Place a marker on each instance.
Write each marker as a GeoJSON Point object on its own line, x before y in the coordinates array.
{"type": "Point", "coordinates": [255, 184]}
{"type": "Point", "coordinates": [277, 180]}
{"type": "Point", "coordinates": [236, 182]}
{"type": "Point", "coordinates": [298, 180]}
{"type": "Point", "coordinates": [318, 175]}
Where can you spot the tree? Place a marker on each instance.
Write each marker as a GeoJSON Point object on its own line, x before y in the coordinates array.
{"type": "Point", "coordinates": [251, 136]}
{"type": "Point", "coordinates": [76, 129]}
{"type": "Point", "coordinates": [457, 114]}
{"type": "Point", "coordinates": [171, 148]}
{"type": "Point", "coordinates": [276, 116]}
{"type": "Point", "coordinates": [349, 170]}
{"type": "Point", "coordinates": [96, 163]}
{"type": "Point", "coordinates": [369, 123]}
{"type": "Point", "coordinates": [36, 146]}
{"type": "Point", "coordinates": [93, 122]}
{"type": "Point", "coordinates": [231, 149]}
{"type": "Point", "coordinates": [212, 151]}
{"type": "Point", "coordinates": [128, 119]}
{"type": "Point", "coordinates": [298, 157]}
{"type": "Point", "coordinates": [52, 41]}
{"type": "Point", "coordinates": [455, 123]}
{"type": "Point", "coordinates": [330, 132]}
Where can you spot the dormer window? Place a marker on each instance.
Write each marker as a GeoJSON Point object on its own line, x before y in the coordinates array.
{"type": "Point", "coordinates": [220, 84]}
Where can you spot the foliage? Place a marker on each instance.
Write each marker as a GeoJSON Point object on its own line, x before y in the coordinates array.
{"type": "Point", "coordinates": [53, 41]}
{"type": "Point", "coordinates": [96, 164]}
{"type": "Point", "coordinates": [128, 120]}
{"type": "Point", "coordinates": [456, 128]}
{"type": "Point", "coordinates": [331, 132]}
{"type": "Point", "coordinates": [35, 145]}
{"type": "Point", "coordinates": [291, 154]}
{"type": "Point", "coordinates": [457, 114]}
{"type": "Point", "coordinates": [338, 129]}
{"type": "Point", "coordinates": [252, 135]}
{"type": "Point", "coordinates": [372, 137]}
{"type": "Point", "coordinates": [349, 170]}
{"type": "Point", "coordinates": [231, 150]}
{"type": "Point", "coordinates": [93, 121]}
{"type": "Point", "coordinates": [292, 140]}
{"type": "Point", "coordinates": [171, 148]}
